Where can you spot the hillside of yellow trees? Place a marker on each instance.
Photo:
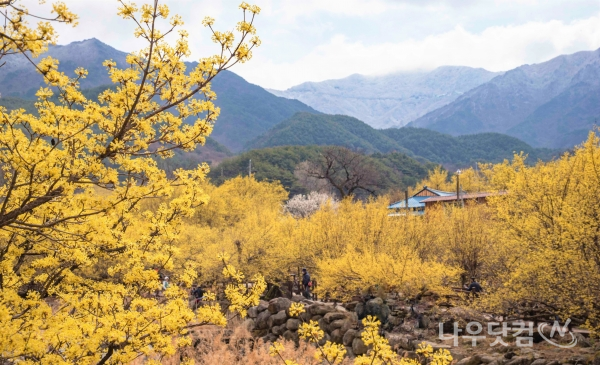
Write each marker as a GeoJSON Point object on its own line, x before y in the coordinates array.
{"type": "Point", "coordinates": [536, 245]}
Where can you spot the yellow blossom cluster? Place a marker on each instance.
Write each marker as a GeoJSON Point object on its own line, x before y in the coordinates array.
{"type": "Point", "coordinates": [18, 36]}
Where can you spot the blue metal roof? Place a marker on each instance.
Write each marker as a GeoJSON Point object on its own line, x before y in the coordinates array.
{"type": "Point", "coordinates": [414, 202]}
{"type": "Point", "coordinates": [440, 193]}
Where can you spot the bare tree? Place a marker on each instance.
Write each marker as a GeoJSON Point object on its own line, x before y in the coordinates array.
{"type": "Point", "coordinates": [347, 172]}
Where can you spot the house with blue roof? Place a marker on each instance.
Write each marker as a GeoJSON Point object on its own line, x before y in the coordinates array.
{"type": "Point", "coordinates": [416, 203]}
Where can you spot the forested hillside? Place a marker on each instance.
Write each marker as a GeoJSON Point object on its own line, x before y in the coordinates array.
{"type": "Point", "coordinates": [396, 170]}
{"type": "Point", "coordinates": [304, 129]}
{"type": "Point", "coordinates": [464, 150]}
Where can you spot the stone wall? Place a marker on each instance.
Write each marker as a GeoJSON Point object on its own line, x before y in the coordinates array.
{"type": "Point", "coordinates": [271, 320]}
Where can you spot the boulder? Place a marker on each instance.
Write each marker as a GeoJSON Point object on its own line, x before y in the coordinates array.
{"type": "Point", "coordinates": [253, 312]}
{"type": "Point", "coordinates": [316, 318]}
{"type": "Point", "coordinates": [351, 306]}
{"type": "Point", "coordinates": [291, 336]}
{"type": "Point", "coordinates": [248, 324]}
{"type": "Point", "coordinates": [277, 330]}
{"type": "Point", "coordinates": [304, 316]}
{"type": "Point", "coordinates": [279, 304]}
{"type": "Point", "coordinates": [359, 347]}
{"type": "Point", "coordinates": [337, 324]}
{"type": "Point", "coordinates": [347, 325]}
{"type": "Point", "coordinates": [349, 337]}
{"type": "Point", "coordinates": [334, 316]}
{"type": "Point", "coordinates": [277, 319]}
{"type": "Point", "coordinates": [360, 311]}
{"type": "Point", "coordinates": [325, 338]}
{"type": "Point", "coordinates": [471, 360]}
{"type": "Point", "coordinates": [520, 360]}
{"type": "Point", "coordinates": [262, 321]}
{"type": "Point", "coordinates": [324, 325]}
{"type": "Point", "coordinates": [539, 362]}
{"type": "Point", "coordinates": [423, 321]}
{"type": "Point", "coordinates": [320, 309]}
{"type": "Point", "coordinates": [337, 336]}
{"type": "Point", "coordinates": [292, 324]}
{"type": "Point", "coordinates": [263, 305]}
{"type": "Point", "coordinates": [395, 321]}
{"type": "Point", "coordinates": [270, 338]}
{"type": "Point", "coordinates": [349, 353]}
{"type": "Point", "coordinates": [486, 359]}
{"type": "Point", "coordinates": [399, 341]}
{"type": "Point", "coordinates": [377, 308]}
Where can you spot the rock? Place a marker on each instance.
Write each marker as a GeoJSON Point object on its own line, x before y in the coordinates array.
{"type": "Point", "coordinates": [423, 321]}
{"type": "Point", "coordinates": [337, 336]}
{"type": "Point", "coordinates": [291, 336]}
{"type": "Point", "coordinates": [360, 311]}
{"type": "Point", "coordinates": [472, 360]}
{"type": "Point", "coordinates": [410, 355]}
{"type": "Point", "coordinates": [539, 362]}
{"type": "Point", "coordinates": [277, 330]}
{"type": "Point", "coordinates": [270, 338]}
{"type": "Point", "coordinates": [399, 341]}
{"type": "Point", "coordinates": [553, 362]}
{"type": "Point", "coordinates": [279, 304]}
{"type": "Point", "coordinates": [351, 306]}
{"type": "Point", "coordinates": [582, 341]}
{"type": "Point", "coordinates": [248, 324]}
{"type": "Point", "coordinates": [324, 339]}
{"type": "Point", "coordinates": [509, 355]}
{"type": "Point", "coordinates": [253, 312]}
{"type": "Point", "coordinates": [519, 360]}
{"type": "Point", "coordinates": [337, 324]}
{"type": "Point", "coordinates": [487, 359]}
{"type": "Point", "coordinates": [304, 316]}
{"type": "Point", "coordinates": [297, 298]}
{"type": "Point", "coordinates": [316, 318]}
{"type": "Point", "coordinates": [321, 309]}
{"type": "Point", "coordinates": [349, 337]}
{"type": "Point", "coordinates": [262, 320]}
{"type": "Point", "coordinates": [263, 305]}
{"type": "Point", "coordinates": [324, 325]}
{"type": "Point", "coordinates": [347, 326]}
{"type": "Point", "coordinates": [334, 316]}
{"type": "Point", "coordinates": [395, 321]}
{"type": "Point", "coordinates": [259, 333]}
{"type": "Point", "coordinates": [277, 319]}
{"type": "Point", "coordinates": [349, 353]}
{"type": "Point", "coordinates": [359, 347]}
{"type": "Point", "coordinates": [292, 324]}
{"type": "Point", "coordinates": [377, 308]}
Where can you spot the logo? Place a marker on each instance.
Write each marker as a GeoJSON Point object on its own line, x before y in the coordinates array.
{"type": "Point", "coordinates": [521, 331]}
{"type": "Point", "coordinates": [561, 331]}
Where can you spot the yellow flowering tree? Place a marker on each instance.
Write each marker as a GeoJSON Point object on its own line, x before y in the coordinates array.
{"type": "Point", "coordinates": [78, 253]}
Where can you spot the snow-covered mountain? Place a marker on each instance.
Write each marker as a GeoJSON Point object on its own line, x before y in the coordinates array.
{"type": "Point", "coordinates": [389, 100]}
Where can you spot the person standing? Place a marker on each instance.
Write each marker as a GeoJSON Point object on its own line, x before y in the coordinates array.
{"type": "Point", "coordinates": [475, 288]}
{"type": "Point", "coordinates": [306, 283]}
{"type": "Point", "coordinates": [165, 283]}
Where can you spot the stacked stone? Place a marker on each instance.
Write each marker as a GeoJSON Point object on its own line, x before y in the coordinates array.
{"type": "Point", "coordinates": [271, 321]}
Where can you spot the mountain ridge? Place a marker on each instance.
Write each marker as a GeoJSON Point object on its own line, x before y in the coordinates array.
{"type": "Point", "coordinates": [390, 100]}
{"type": "Point", "coordinates": [523, 103]}
{"type": "Point", "coordinates": [247, 110]}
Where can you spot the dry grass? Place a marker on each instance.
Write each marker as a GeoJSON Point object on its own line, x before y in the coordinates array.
{"type": "Point", "coordinates": [236, 346]}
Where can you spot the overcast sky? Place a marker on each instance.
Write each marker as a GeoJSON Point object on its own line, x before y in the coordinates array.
{"type": "Point", "coordinates": [315, 40]}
